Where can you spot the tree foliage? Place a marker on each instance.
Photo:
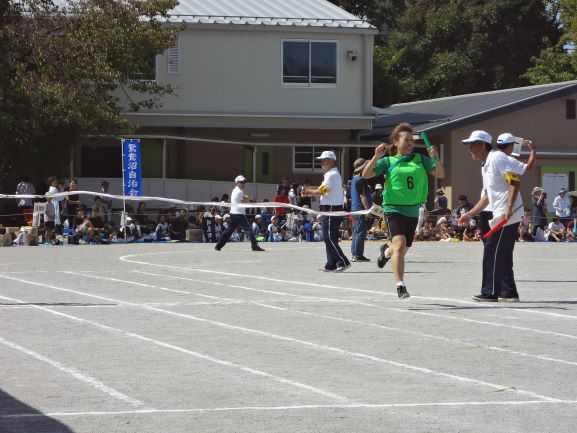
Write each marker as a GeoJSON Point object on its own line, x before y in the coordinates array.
{"type": "Point", "coordinates": [60, 67]}
{"type": "Point", "coordinates": [558, 62]}
{"type": "Point", "coordinates": [436, 48]}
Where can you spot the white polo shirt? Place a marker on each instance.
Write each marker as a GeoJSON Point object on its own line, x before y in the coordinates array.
{"type": "Point", "coordinates": [334, 182]}
{"type": "Point", "coordinates": [497, 188]}
{"type": "Point", "coordinates": [236, 198]}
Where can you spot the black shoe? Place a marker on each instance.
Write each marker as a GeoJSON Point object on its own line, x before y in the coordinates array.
{"type": "Point", "coordinates": [510, 298]}
{"type": "Point", "coordinates": [327, 270]}
{"type": "Point", "coordinates": [342, 267]}
{"type": "Point", "coordinates": [485, 298]}
{"type": "Point", "coordinates": [382, 260]}
{"type": "Point", "coordinates": [402, 292]}
{"type": "Point", "coordinates": [360, 259]}
{"type": "Point", "coordinates": [217, 248]}
{"type": "Point", "coordinates": [257, 248]}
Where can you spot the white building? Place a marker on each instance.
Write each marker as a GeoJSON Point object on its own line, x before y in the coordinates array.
{"type": "Point", "coordinates": [262, 86]}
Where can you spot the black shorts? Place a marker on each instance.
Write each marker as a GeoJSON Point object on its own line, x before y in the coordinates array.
{"type": "Point", "coordinates": [49, 225]}
{"type": "Point", "coordinates": [402, 225]}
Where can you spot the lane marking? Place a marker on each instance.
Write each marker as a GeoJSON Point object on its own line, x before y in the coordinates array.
{"type": "Point", "coordinates": [228, 364]}
{"type": "Point", "coordinates": [251, 289]}
{"type": "Point", "coordinates": [93, 382]}
{"type": "Point", "coordinates": [316, 346]}
{"type": "Point", "coordinates": [276, 280]}
{"type": "Point", "coordinates": [456, 404]}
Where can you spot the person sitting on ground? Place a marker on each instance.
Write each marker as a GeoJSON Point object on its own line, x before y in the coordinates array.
{"type": "Point", "coordinates": [318, 229]}
{"type": "Point", "coordinates": [275, 232]}
{"type": "Point", "coordinates": [427, 232]}
{"type": "Point", "coordinates": [177, 227]}
{"type": "Point", "coordinates": [258, 228]}
{"type": "Point", "coordinates": [84, 230]}
{"type": "Point", "coordinates": [471, 232]}
{"type": "Point", "coordinates": [555, 230]}
{"type": "Point", "coordinates": [524, 228]}
{"type": "Point", "coordinates": [441, 203]}
{"type": "Point", "coordinates": [161, 229]}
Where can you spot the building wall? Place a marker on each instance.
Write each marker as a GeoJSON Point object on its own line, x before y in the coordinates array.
{"type": "Point", "coordinates": [240, 71]}
{"type": "Point", "coordinates": [545, 124]}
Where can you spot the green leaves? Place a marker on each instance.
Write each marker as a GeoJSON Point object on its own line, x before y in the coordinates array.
{"type": "Point", "coordinates": [60, 66]}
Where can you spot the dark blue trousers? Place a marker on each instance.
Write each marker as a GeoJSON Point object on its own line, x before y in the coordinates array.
{"type": "Point", "coordinates": [498, 277]}
{"type": "Point", "coordinates": [331, 226]}
{"type": "Point", "coordinates": [236, 220]}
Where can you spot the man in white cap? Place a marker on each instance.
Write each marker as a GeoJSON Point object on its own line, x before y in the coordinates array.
{"type": "Point", "coordinates": [501, 192]}
{"type": "Point", "coordinates": [361, 199]}
{"type": "Point", "coordinates": [237, 217]}
{"type": "Point", "coordinates": [332, 200]}
{"type": "Point", "coordinates": [562, 206]}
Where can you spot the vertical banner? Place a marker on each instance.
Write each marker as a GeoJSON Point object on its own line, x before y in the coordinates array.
{"type": "Point", "coordinates": [131, 167]}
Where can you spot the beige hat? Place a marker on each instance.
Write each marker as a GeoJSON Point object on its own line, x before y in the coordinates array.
{"type": "Point", "coordinates": [536, 189]}
{"type": "Point", "coordinates": [359, 164]}
{"type": "Point", "coordinates": [378, 186]}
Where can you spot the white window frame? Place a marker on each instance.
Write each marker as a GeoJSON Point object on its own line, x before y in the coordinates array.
{"type": "Point", "coordinates": [173, 51]}
{"type": "Point", "coordinates": [316, 151]}
{"type": "Point", "coordinates": [309, 84]}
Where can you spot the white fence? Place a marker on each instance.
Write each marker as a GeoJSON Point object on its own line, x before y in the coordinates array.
{"type": "Point", "coordinates": [181, 189]}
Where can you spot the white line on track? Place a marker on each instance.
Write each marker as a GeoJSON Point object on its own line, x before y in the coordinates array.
{"type": "Point", "coordinates": [422, 313]}
{"type": "Point", "coordinates": [277, 280]}
{"type": "Point", "coordinates": [316, 346]}
{"type": "Point", "coordinates": [228, 364]}
{"type": "Point", "coordinates": [266, 304]}
{"type": "Point", "coordinates": [251, 289]}
{"type": "Point", "coordinates": [95, 383]}
{"type": "Point", "coordinates": [456, 404]}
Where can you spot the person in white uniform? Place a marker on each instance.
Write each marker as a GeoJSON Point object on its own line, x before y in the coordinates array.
{"type": "Point", "coordinates": [501, 192]}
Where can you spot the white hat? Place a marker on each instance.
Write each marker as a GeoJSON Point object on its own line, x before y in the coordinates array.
{"type": "Point", "coordinates": [328, 154]}
{"type": "Point", "coordinates": [506, 138]}
{"type": "Point", "coordinates": [478, 136]}
{"type": "Point", "coordinates": [257, 216]}
{"type": "Point", "coordinates": [562, 190]}
{"type": "Point", "coordinates": [473, 222]}
{"type": "Point", "coordinates": [226, 216]}
{"type": "Point", "coordinates": [378, 186]}
{"type": "Point", "coordinates": [240, 178]}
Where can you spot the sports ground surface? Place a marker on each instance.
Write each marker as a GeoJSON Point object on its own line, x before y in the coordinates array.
{"type": "Point", "coordinates": [180, 338]}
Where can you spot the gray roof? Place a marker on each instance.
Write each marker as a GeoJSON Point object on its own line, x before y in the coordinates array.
{"type": "Point", "coordinates": [299, 13]}
{"type": "Point", "coordinates": [439, 115]}
{"type": "Point", "coordinates": [286, 13]}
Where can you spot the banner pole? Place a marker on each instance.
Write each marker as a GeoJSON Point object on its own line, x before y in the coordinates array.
{"type": "Point", "coordinates": [123, 216]}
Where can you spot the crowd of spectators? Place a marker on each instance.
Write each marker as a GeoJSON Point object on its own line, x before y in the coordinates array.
{"type": "Point", "coordinates": [68, 219]}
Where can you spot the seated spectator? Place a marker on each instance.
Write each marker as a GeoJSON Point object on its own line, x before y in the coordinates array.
{"type": "Point", "coordinates": [140, 215]}
{"type": "Point", "coordinates": [571, 231]}
{"type": "Point", "coordinates": [446, 232]}
{"type": "Point", "coordinates": [275, 232]}
{"type": "Point", "coordinates": [446, 218]}
{"type": "Point", "coordinates": [525, 232]}
{"type": "Point", "coordinates": [177, 227]}
{"type": "Point", "coordinates": [318, 229]}
{"type": "Point", "coordinates": [297, 232]}
{"type": "Point", "coordinates": [258, 228]}
{"type": "Point", "coordinates": [471, 232]}
{"type": "Point", "coordinates": [427, 232]}
{"type": "Point", "coordinates": [441, 203]}
{"type": "Point", "coordinates": [555, 231]}
{"type": "Point", "coordinates": [84, 230]}
{"type": "Point", "coordinates": [463, 206]}
{"type": "Point", "coordinates": [161, 229]}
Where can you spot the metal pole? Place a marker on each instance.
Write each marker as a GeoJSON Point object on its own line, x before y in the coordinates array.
{"type": "Point", "coordinates": [164, 153]}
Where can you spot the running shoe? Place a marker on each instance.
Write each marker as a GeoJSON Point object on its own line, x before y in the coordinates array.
{"type": "Point", "coordinates": [382, 260]}
{"type": "Point", "coordinates": [402, 292]}
{"type": "Point", "coordinates": [485, 298]}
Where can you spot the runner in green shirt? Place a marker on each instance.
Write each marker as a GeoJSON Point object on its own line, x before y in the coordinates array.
{"type": "Point", "coordinates": [405, 190]}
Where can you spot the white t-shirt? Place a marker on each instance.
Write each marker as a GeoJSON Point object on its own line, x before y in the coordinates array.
{"type": "Point", "coordinates": [334, 182]}
{"type": "Point", "coordinates": [562, 206]}
{"type": "Point", "coordinates": [497, 188]}
{"type": "Point", "coordinates": [236, 198]}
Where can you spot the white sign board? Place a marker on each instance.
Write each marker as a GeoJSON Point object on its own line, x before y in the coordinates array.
{"type": "Point", "coordinates": [552, 183]}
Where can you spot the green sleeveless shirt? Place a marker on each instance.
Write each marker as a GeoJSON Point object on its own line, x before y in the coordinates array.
{"type": "Point", "coordinates": [407, 184]}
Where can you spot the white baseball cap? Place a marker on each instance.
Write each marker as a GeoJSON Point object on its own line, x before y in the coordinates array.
{"type": "Point", "coordinates": [478, 136]}
{"type": "Point", "coordinates": [506, 138]}
{"type": "Point", "coordinates": [240, 178]}
{"type": "Point", "coordinates": [328, 154]}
